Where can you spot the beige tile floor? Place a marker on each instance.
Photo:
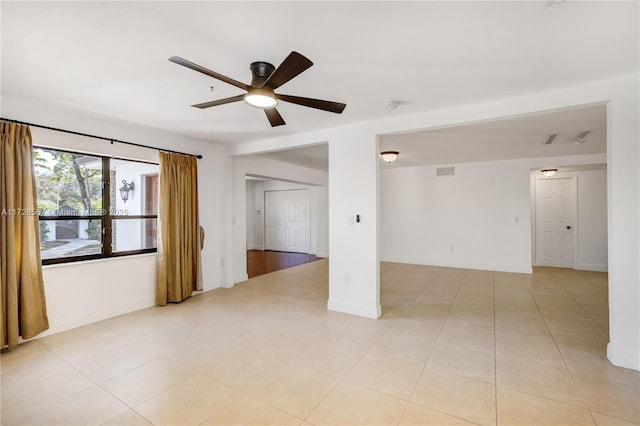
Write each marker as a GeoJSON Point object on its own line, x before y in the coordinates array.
{"type": "Point", "coordinates": [453, 347]}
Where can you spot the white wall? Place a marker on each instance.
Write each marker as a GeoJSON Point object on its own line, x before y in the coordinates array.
{"type": "Point", "coordinates": [484, 212]}
{"type": "Point", "coordinates": [623, 213]}
{"type": "Point", "coordinates": [252, 238]}
{"type": "Point", "coordinates": [478, 219]}
{"type": "Point", "coordinates": [130, 234]}
{"type": "Point", "coordinates": [592, 221]}
{"type": "Point", "coordinates": [354, 270]}
{"type": "Point", "coordinates": [84, 292]}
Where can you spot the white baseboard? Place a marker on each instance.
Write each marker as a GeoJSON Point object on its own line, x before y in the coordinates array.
{"type": "Point", "coordinates": [594, 268]}
{"type": "Point", "coordinates": [243, 277]}
{"type": "Point", "coordinates": [520, 269]}
{"type": "Point", "coordinates": [63, 324]}
{"type": "Point", "coordinates": [322, 254]}
{"type": "Point", "coordinates": [373, 312]}
{"type": "Point", "coordinates": [619, 359]}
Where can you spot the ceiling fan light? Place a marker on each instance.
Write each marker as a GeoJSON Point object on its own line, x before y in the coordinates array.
{"type": "Point", "coordinates": [389, 156]}
{"type": "Point", "coordinates": [549, 172]}
{"type": "Point", "coordinates": [260, 100]}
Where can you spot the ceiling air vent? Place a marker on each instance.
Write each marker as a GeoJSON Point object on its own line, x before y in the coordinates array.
{"type": "Point", "coordinates": [581, 137]}
{"type": "Point", "coordinates": [445, 171]}
{"type": "Point", "coordinates": [550, 138]}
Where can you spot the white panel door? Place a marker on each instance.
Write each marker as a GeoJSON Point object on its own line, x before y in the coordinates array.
{"type": "Point", "coordinates": [298, 221]}
{"type": "Point", "coordinates": [287, 221]}
{"type": "Point", "coordinates": [275, 221]}
{"type": "Point", "coordinates": [554, 222]}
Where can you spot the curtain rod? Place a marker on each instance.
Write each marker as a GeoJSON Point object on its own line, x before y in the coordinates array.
{"type": "Point", "coordinates": [99, 137]}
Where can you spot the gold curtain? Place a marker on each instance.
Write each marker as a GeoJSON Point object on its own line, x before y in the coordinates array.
{"type": "Point", "coordinates": [178, 272]}
{"type": "Point", "coordinates": [24, 311]}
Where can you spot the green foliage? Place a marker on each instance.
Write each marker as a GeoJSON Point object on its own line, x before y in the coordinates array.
{"type": "Point", "coordinates": [69, 179]}
{"type": "Point", "coordinates": [94, 230]}
{"type": "Point", "coordinates": [44, 231]}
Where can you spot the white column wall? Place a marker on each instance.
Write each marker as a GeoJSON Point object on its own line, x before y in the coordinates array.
{"type": "Point", "coordinates": [251, 209]}
{"type": "Point", "coordinates": [592, 221]}
{"type": "Point", "coordinates": [354, 272]}
{"type": "Point", "coordinates": [623, 176]}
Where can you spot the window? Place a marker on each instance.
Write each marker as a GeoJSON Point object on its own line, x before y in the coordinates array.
{"type": "Point", "coordinates": [85, 201]}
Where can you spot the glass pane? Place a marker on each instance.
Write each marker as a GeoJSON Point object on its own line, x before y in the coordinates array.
{"type": "Point", "coordinates": [68, 238]}
{"type": "Point", "coordinates": [133, 234]}
{"type": "Point", "coordinates": [69, 184]}
{"type": "Point", "coordinates": [134, 188]}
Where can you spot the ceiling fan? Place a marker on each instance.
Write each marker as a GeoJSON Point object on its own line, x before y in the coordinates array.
{"type": "Point", "coordinates": [266, 78]}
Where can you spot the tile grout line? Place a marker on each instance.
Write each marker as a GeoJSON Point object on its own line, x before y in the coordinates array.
{"type": "Point", "coordinates": [424, 367]}
{"type": "Point", "coordinates": [606, 332]}
{"type": "Point", "coordinates": [342, 379]}
{"type": "Point", "coordinates": [586, 406]}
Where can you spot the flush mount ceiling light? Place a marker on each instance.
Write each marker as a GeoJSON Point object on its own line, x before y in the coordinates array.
{"type": "Point", "coordinates": [260, 99]}
{"type": "Point", "coordinates": [549, 172]}
{"type": "Point", "coordinates": [389, 156]}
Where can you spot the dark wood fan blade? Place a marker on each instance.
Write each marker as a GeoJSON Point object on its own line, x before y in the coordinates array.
{"type": "Point", "coordinates": [330, 106]}
{"type": "Point", "coordinates": [219, 102]}
{"type": "Point", "coordinates": [274, 117]}
{"type": "Point", "coordinates": [291, 67]}
{"type": "Point", "coordinates": [178, 60]}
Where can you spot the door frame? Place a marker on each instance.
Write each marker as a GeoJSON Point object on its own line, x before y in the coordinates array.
{"type": "Point", "coordinates": [535, 177]}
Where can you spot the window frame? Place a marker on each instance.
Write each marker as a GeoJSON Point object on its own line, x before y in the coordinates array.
{"type": "Point", "coordinates": [106, 249]}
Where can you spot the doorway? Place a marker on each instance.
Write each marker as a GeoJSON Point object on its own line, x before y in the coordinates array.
{"type": "Point", "coordinates": [569, 218]}
{"type": "Point", "coordinates": [555, 223]}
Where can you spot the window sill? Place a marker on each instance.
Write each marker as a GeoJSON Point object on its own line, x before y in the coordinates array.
{"type": "Point", "coordinates": [106, 259]}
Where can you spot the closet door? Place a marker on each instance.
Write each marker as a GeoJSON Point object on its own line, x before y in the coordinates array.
{"type": "Point", "coordinates": [287, 220]}
{"type": "Point", "coordinates": [275, 220]}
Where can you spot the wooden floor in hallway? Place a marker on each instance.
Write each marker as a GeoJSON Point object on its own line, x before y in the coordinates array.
{"type": "Point", "coordinates": [260, 262]}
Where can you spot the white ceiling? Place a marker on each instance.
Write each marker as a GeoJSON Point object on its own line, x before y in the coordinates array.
{"type": "Point", "coordinates": [110, 58]}
{"type": "Point", "coordinates": [522, 137]}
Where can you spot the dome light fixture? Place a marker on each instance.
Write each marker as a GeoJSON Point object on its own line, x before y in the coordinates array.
{"type": "Point", "coordinates": [260, 99]}
{"type": "Point", "coordinates": [549, 172]}
{"type": "Point", "coordinates": [389, 156]}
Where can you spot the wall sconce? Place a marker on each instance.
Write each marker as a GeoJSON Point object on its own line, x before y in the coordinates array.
{"type": "Point", "coordinates": [125, 189]}
{"type": "Point", "coordinates": [389, 156]}
{"type": "Point", "coordinates": [549, 172]}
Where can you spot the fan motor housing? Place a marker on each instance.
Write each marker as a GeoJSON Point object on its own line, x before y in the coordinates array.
{"type": "Point", "coordinates": [261, 72]}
